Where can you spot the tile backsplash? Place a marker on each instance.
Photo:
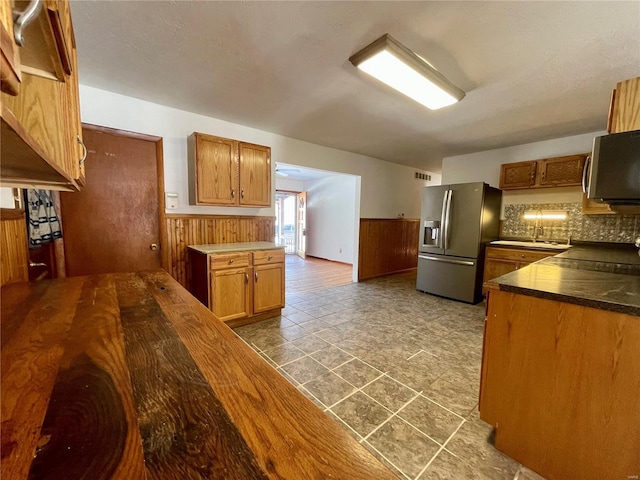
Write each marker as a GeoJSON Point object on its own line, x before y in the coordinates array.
{"type": "Point", "coordinates": [592, 228]}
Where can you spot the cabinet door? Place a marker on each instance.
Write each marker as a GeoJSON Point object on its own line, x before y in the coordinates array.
{"type": "Point", "coordinates": [9, 51]}
{"type": "Point", "coordinates": [71, 105]}
{"type": "Point", "coordinates": [494, 268]}
{"type": "Point", "coordinates": [625, 111]}
{"type": "Point", "coordinates": [216, 170]}
{"type": "Point", "coordinates": [255, 175]}
{"type": "Point", "coordinates": [562, 171]}
{"type": "Point", "coordinates": [268, 287]}
{"type": "Point", "coordinates": [517, 175]}
{"type": "Point", "coordinates": [230, 293]}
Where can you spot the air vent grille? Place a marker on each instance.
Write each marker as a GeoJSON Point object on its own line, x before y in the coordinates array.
{"type": "Point", "coordinates": [423, 176]}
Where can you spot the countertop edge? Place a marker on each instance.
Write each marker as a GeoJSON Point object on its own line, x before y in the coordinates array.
{"type": "Point", "coordinates": [581, 301]}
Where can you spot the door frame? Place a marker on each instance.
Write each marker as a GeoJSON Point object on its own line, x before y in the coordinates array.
{"type": "Point", "coordinates": [162, 225]}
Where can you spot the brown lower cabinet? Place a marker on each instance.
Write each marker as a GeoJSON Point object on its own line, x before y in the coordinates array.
{"type": "Point", "coordinates": [500, 261]}
{"type": "Point", "coordinates": [239, 287]}
{"type": "Point", "coordinates": [560, 385]}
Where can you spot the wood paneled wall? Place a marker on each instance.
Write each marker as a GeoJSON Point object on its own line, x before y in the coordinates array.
{"type": "Point", "coordinates": [184, 230]}
{"type": "Point", "coordinates": [387, 246]}
{"type": "Point", "coordinates": [14, 253]}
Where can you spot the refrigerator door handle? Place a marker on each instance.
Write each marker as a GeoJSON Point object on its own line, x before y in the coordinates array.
{"type": "Point", "coordinates": [447, 225]}
{"type": "Point", "coordinates": [467, 263]}
{"type": "Point", "coordinates": [441, 233]}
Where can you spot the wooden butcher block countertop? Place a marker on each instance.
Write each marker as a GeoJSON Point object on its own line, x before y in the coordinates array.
{"type": "Point", "coordinates": [128, 376]}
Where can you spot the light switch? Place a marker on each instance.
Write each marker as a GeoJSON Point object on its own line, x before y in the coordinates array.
{"type": "Point", "coordinates": [171, 200]}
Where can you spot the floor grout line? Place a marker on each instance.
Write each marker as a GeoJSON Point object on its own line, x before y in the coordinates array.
{"type": "Point", "coordinates": [386, 459]}
{"type": "Point", "coordinates": [424, 469]}
{"type": "Point", "coordinates": [387, 420]}
{"type": "Point", "coordinates": [367, 294]}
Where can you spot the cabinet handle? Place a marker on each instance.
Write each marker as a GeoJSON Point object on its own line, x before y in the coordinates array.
{"type": "Point", "coordinates": [585, 173]}
{"type": "Point", "coordinates": [233, 193]}
{"type": "Point", "coordinates": [230, 261]}
{"type": "Point", "coordinates": [84, 150]}
{"type": "Point", "coordinates": [242, 193]}
{"type": "Point", "coordinates": [246, 278]}
{"type": "Point", "coordinates": [522, 255]}
{"type": "Point", "coordinates": [24, 18]}
{"type": "Point", "coordinates": [269, 257]}
{"type": "Point", "coordinates": [256, 275]}
{"type": "Point", "coordinates": [543, 174]}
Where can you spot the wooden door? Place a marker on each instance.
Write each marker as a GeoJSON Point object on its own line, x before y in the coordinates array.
{"type": "Point", "coordinates": [268, 287]}
{"type": "Point", "coordinates": [216, 169]}
{"type": "Point", "coordinates": [230, 296]}
{"type": "Point", "coordinates": [302, 224]}
{"type": "Point", "coordinates": [255, 175]}
{"type": "Point", "coordinates": [113, 223]}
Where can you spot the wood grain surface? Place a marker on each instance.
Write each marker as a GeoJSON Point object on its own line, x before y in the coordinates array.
{"type": "Point", "coordinates": [110, 225]}
{"type": "Point", "coordinates": [128, 376]}
{"type": "Point", "coordinates": [183, 230]}
{"type": "Point", "coordinates": [560, 385]}
{"type": "Point", "coordinates": [14, 255]}
{"type": "Point", "coordinates": [387, 246]}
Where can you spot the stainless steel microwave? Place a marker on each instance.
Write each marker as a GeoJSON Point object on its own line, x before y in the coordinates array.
{"type": "Point", "coordinates": [615, 169]}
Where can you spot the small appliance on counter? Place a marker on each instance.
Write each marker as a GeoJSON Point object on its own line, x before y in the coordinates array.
{"type": "Point", "coordinates": [456, 223]}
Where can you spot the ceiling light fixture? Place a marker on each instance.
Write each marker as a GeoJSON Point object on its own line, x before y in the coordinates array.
{"type": "Point", "coordinates": [394, 64]}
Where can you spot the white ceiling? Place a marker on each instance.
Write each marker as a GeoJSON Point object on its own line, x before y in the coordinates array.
{"type": "Point", "coordinates": [531, 70]}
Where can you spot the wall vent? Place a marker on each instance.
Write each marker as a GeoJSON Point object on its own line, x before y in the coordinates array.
{"type": "Point", "coordinates": [423, 176]}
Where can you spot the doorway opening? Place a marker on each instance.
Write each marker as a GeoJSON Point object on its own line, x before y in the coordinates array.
{"type": "Point", "coordinates": [286, 228]}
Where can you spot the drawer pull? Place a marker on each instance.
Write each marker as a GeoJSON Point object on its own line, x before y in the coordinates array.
{"type": "Point", "coordinates": [269, 257]}
{"type": "Point", "coordinates": [24, 18]}
{"type": "Point", "coordinates": [230, 261]}
{"type": "Point", "coordinates": [522, 255]}
{"type": "Point", "coordinates": [84, 151]}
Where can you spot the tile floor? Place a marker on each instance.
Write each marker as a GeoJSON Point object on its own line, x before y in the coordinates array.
{"type": "Point", "coordinates": [398, 369]}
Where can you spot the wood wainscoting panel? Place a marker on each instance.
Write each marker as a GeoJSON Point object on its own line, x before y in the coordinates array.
{"type": "Point", "coordinates": [184, 230]}
{"type": "Point", "coordinates": [387, 245]}
{"type": "Point", "coordinates": [14, 251]}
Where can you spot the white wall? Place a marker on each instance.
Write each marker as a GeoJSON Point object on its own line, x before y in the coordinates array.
{"type": "Point", "coordinates": [485, 166]}
{"type": "Point", "coordinates": [331, 210]}
{"type": "Point", "coordinates": [283, 183]}
{"type": "Point", "coordinates": [387, 188]}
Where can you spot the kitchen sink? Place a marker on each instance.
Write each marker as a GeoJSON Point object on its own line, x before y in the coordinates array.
{"type": "Point", "coordinates": [530, 244]}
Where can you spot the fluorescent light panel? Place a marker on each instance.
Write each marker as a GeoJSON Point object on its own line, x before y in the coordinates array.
{"type": "Point", "coordinates": [545, 215]}
{"type": "Point", "coordinates": [394, 64]}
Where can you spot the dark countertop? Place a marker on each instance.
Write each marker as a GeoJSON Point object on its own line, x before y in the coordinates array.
{"type": "Point", "coordinates": [129, 376]}
{"type": "Point", "coordinates": [600, 276]}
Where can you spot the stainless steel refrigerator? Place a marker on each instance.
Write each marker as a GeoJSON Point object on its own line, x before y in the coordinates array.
{"type": "Point", "coordinates": [457, 222]}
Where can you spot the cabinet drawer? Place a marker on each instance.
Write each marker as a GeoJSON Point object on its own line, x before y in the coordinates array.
{"type": "Point", "coordinates": [263, 257]}
{"type": "Point", "coordinates": [226, 260]}
{"type": "Point", "coordinates": [517, 254]}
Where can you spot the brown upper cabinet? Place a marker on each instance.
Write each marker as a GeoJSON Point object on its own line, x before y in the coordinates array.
{"type": "Point", "coordinates": [41, 129]}
{"type": "Point", "coordinates": [548, 172]}
{"type": "Point", "coordinates": [624, 113]}
{"type": "Point", "coordinates": [228, 172]}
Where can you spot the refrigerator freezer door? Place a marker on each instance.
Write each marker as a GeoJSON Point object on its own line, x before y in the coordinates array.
{"type": "Point", "coordinates": [462, 229]}
{"type": "Point", "coordinates": [432, 219]}
{"type": "Point", "coordinates": [449, 277]}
